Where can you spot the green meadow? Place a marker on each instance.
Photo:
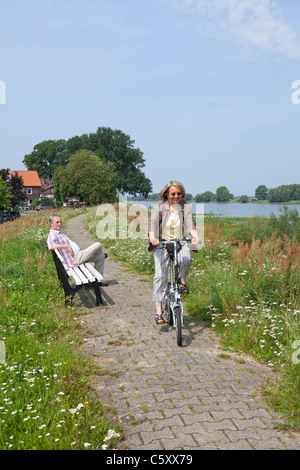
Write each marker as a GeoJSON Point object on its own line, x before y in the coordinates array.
{"type": "Point", "coordinates": [45, 401]}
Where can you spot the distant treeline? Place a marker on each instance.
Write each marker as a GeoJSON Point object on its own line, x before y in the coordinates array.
{"type": "Point", "coordinates": [284, 193]}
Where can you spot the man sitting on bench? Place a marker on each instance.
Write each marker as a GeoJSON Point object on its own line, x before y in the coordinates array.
{"type": "Point", "coordinates": [70, 251]}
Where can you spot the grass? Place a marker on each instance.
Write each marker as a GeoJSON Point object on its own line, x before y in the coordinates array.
{"type": "Point", "coordinates": [45, 400]}
{"type": "Point", "coordinates": [249, 293]}
{"type": "Point", "coordinates": [245, 283]}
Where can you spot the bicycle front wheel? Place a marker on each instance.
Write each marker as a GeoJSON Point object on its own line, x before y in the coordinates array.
{"type": "Point", "coordinates": [178, 325]}
{"type": "Point", "coordinates": [168, 311]}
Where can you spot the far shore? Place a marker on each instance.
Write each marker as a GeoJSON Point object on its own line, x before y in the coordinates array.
{"type": "Point", "coordinates": [251, 200]}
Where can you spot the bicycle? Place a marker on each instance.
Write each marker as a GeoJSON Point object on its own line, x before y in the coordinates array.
{"type": "Point", "coordinates": [172, 305]}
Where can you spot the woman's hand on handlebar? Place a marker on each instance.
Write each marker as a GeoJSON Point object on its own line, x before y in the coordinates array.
{"type": "Point", "coordinates": [154, 241]}
{"type": "Point", "coordinates": [195, 239]}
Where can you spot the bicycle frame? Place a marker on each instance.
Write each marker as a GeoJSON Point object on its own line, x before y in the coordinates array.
{"type": "Point", "coordinates": [173, 291]}
{"type": "Point", "coordinates": [173, 305]}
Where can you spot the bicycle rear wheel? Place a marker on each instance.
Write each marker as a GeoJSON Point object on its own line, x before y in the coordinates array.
{"type": "Point", "coordinates": [178, 325]}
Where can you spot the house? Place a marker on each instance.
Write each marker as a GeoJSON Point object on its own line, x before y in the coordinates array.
{"type": "Point", "coordinates": [31, 184]}
{"type": "Point", "coordinates": [46, 189]}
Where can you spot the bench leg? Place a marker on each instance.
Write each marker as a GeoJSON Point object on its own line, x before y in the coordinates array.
{"type": "Point", "coordinates": [98, 295]}
{"type": "Point", "coordinates": [68, 291]}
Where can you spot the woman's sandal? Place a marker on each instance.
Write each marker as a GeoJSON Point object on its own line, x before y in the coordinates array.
{"type": "Point", "coordinates": [184, 289]}
{"type": "Point", "coordinates": [159, 319]}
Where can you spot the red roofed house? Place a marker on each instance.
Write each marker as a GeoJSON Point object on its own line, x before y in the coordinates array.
{"type": "Point", "coordinates": [31, 184]}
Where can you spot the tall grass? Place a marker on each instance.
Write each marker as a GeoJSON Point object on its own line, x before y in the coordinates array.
{"type": "Point", "coordinates": [45, 402]}
{"type": "Point", "coordinates": [246, 286]}
{"type": "Point", "coordinates": [249, 292]}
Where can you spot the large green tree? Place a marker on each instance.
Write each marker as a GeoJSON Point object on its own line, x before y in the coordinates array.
{"type": "Point", "coordinates": [109, 145]}
{"type": "Point", "coordinates": [88, 177]}
{"type": "Point", "coordinates": [46, 157]}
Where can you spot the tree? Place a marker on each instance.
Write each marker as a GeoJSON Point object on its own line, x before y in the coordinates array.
{"type": "Point", "coordinates": [285, 193]}
{"type": "Point", "coordinates": [295, 192]}
{"type": "Point", "coordinates": [109, 145]}
{"type": "Point", "coordinates": [280, 194]}
{"type": "Point", "coordinates": [222, 194]}
{"type": "Point", "coordinates": [261, 192]}
{"type": "Point", "coordinates": [60, 184]}
{"type": "Point", "coordinates": [5, 195]}
{"type": "Point", "coordinates": [115, 146]}
{"type": "Point", "coordinates": [46, 157]}
{"type": "Point", "coordinates": [15, 183]}
{"type": "Point", "coordinates": [244, 198]}
{"type": "Point", "coordinates": [87, 177]}
{"type": "Point", "coordinates": [208, 196]}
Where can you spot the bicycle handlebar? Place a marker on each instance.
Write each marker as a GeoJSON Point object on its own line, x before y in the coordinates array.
{"type": "Point", "coordinates": [182, 241]}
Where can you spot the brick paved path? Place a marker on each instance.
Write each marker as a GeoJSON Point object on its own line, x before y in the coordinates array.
{"type": "Point", "coordinates": [169, 397]}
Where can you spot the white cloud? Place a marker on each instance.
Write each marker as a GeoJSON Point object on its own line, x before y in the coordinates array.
{"type": "Point", "coordinates": [255, 23]}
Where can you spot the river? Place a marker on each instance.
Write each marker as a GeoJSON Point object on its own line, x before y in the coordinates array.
{"type": "Point", "coordinates": [234, 209]}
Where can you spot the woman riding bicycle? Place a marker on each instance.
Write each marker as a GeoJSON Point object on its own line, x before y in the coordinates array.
{"type": "Point", "coordinates": [171, 218]}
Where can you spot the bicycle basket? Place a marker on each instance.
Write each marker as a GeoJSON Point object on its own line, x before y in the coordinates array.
{"type": "Point", "coordinates": [179, 246]}
{"type": "Point", "coordinates": [170, 248]}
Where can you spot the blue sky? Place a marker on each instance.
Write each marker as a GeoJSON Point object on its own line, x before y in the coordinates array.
{"type": "Point", "coordinates": [203, 87]}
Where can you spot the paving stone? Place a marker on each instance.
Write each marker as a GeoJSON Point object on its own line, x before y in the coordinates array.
{"type": "Point", "coordinates": [163, 434]}
{"type": "Point", "coordinates": [178, 398]}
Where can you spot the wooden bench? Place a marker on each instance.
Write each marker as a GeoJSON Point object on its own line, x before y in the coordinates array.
{"type": "Point", "coordinates": [85, 276]}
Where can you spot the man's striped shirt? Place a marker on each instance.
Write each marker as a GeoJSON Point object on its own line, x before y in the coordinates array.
{"type": "Point", "coordinates": [56, 237]}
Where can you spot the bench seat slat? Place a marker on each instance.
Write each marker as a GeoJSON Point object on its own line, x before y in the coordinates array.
{"type": "Point", "coordinates": [87, 273]}
{"type": "Point", "coordinates": [61, 259]}
{"type": "Point", "coordinates": [94, 271]}
{"type": "Point", "coordinates": [75, 273]}
{"type": "Point", "coordinates": [71, 273]}
{"type": "Point", "coordinates": [81, 276]}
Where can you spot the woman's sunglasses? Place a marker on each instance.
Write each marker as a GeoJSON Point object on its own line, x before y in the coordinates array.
{"type": "Point", "coordinates": [175, 194]}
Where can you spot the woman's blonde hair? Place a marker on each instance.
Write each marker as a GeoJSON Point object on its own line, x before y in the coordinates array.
{"type": "Point", "coordinates": [164, 192]}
